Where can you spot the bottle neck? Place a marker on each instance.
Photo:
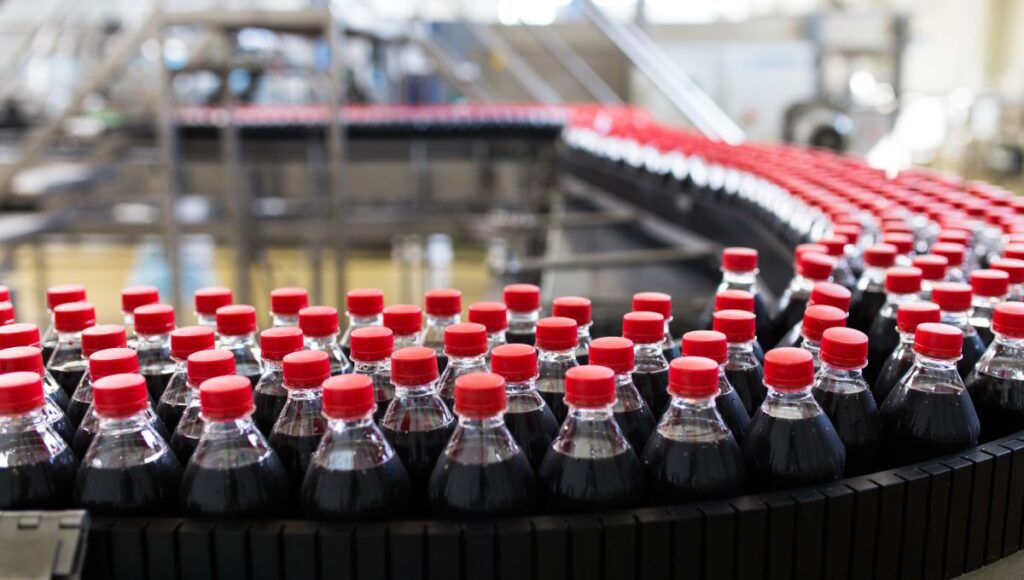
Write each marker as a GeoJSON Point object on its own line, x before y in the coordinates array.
{"type": "Point", "coordinates": [153, 341]}
{"type": "Point", "coordinates": [485, 424]}
{"type": "Point", "coordinates": [841, 374]}
{"type": "Point", "coordinates": [739, 280]}
{"type": "Point", "coordinates": [404, 340]}
{"type": "Point", "coordinates": [789, 395]}
{"type": "Point", "coordinates": [906, 338]}
{"type": "Point", "coordinates": [323, 341]}
{"type": "Point", "coordinates": [302, 392]}
{"type": "Point", "coordinates": [556, 356]}
{"type": "Point", "coordinates": [134, 422]}
{"type": "Point", "coordinates": [349, 425]}
{"type": "Point", "coordinates": [956, 318]}
{"type": "Point", "coordinates": [694, 405]}
{"type": "Point", "coordinates": [583, 333]}
{"type": "Point", "coordinates": [983, 305]}
{"type": "Point", "coordinates": [740, 348]}
{"type": "Point", "coordinates": [27, 421]}
{"type": "Point", "coordinates": [463, 362]}
{"type": "Point", "coordinates": [413, 391]}
{"type": "Point", "coordinates": [521, 387]}
{"type": "Point", "coordinates": [935, 364]}
{"type": "Point", "coordinates": [273, 365]}
{"type": "Point", "coordinates": [591, 413]}
{"type": "Point", "coordinates": [495, 339]}
{"type": "Point", "coordinates": [648, 351]}
{"type": "Point", "coordinates": [355, 321]}
{"type": "Point", "coordinates": [239, 427]}
{"type": "Point", "coordinates": [209, 320]}
{"type": "Point", "coordinates": [1004, 341]}
{"type": "Point", "coordinates": [233, 341]}
{"type": "Point", "coordinates": [872, 276]}
{"type": "Point", "coordinates": [284, 319]}
{"type": "Point", "coordinates": [371, 367]}
{"type": "Point", "coordinates": [443, 321]}
{"type": "Point", "coordinates": [525, 321]}
{"type": "Point", "coordinates": [811, 346]}
{"type": "Point", "coordinates": [801, 284]}
{"type": "Point", "coordinates": [894, 299]}
{"type": "Point", "coordinates": [69, 339]}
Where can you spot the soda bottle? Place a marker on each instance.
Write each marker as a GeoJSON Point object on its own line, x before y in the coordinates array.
{"type": "Point", "coordinates": [902, 284]}
{"type": "Point", "coordinates": [556, 354]}
{"type": "Point", "coordinates": [527, 416]}
{"type": "Point", "coordinates": [990, 287]}
{"type": "Point", "coordinates": [184, 342]}
{"type": "Point", "coordinates": [791, 442]}
{"type": "Point", "coordinates": [207, 301]}
{"type": "Point", "coordinates": [662, 304]}
{"type": "Point", "coordinates": [27, 334]}
{"type": "Point", "coordinates": [836, 248]}
{"type": "Point", "coordinates": [285, 304]}
{"type": "Point", "coordinates": [236, 333]}
{"type": "Point", "coordinates": [692, 455]}
{"type": "Point", "coordinates": [737, 300]}
{"type": "Point", "coordinates": [354, 473]}
{"type": "Point", "coordinates": [954, 300]}
{"type": "Point", "coordinates": [128, 470]}
{"type": "Point", "coordinates": [997, 384]}
{"type": "Point", "coordinates": [908, 317]}
{"type": "Point", "coordinates": [590, 465]}
{"type": "Point", "coordinates": [466, 350]}
{"type": "Point", "coordinates": [202, 365]}
{"type": "Point", "coordinates": [651, 372]}
{"type": "Point", "coordinates": [301, 424]}
{"type": "Point", "coordinates": [133, 297]}
{"type": "Point", "coordinates": [30, 359]}
{"type": "Point", "coordinates": [371, 353]}
{"type": "Point", "coordinates": [578, 309]}
{"type": "Point", "coordinates": [818, 319]}
{"type": "Point", "coordinates": [269, 395]}
{"type": "Point", "coordinates": [417, 421]}
{"type": "Point", "coordinates": [930, 413]}
{"type": "Point", "coordinates": [954, 255]}
{"type": "Point", "coordinates": [811, 268]}
{"type": "Point", "coordinates": [827, 293]}
{"type": "Point", "coordinates": [37, 467]}
{"type": "Point", "coordinates": [962, 238]}
{"type": "Point", "coordinates": [153, 326]}
{"type": "Point", "coordinates": [523, 302]}
{"type": "Point", "coordinates": [482, 471]}
{"type": "Point", "coordinates": [739, 272]}
{"type": "Point", "coordinates": [55, 296]}
{"type": "Point", "coordinates": [406, 322]}
{"type": "Point", "coordinates": [869, 296]}
{"type": "Point", "coordinates": [1015, 270]}
{"type": "Point", "coordinates": [845, 397]}
{"type": "Point", "coordinates": [631, 411]}
{"type": "Point", "coordinates": [904, 244]}
{"type": "Point", "coordinates": [66, 364]}
{"type": "Point", "coordinates": [319, 325]}
{"type": "Point", "coordinates": [444, 308]}
{"type": "Point", "coordinates": [742, 369]}
{"type": "Point", "coordinates": [494, 317]}
{"type": "Point", "coordinates": [363, 307]}
{"type": "Point", "coordinates": [233, 472]}
{"type": "Point", "coordinates": [933, 271]}
{"type": "Point", "coordinates": [714, 345]}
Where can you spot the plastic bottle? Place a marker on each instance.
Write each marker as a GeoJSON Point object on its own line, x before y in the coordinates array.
{"type": "Point", "coordinates": [714, 345]}
{"type": "Point", "coordinates": [737, 300]}
{"type": "Point", "coordinates": [202, 365]}
{"type": "Point", "coordinates": [990, 287]}
{"type": "Point", "coordinates": [27, 334]}
{"type": "Point", "coordinates": [184, 342]}
{"type": "Point", "coordinates": [233, 472]}
{"type": "Point", "coordinates": [651, 373]}
{"type": "Point", "coordinates": [902, 285]}
{"type": "Point", "coordinates": [66, 364]}
{"type": "Point", "coordinates": [557, 339]}
{"type": "Point", "coordinates": [791, 442]}
{"type": "Point", "coordinates": [662, 304]}
{"type": "Point", "coordinates": [30, 359]}
{"type": "Point", "coordinates": [482, 471]}
{"type": "Point", "coordinates": [236, 333]}
{"type": "Point", "coordinates": [269, 395]}
{"type": "Point", "coordinates": [590, 465]}
{"type": "Point", "coordinates": [523, 302]}
{"type": "Point", "coordinates": [354, 473]}
{"type": "Point", "coordinates": [371, 353]}
{"type": "Point", "coordinates": [444, 308]}
{"type": "Point", "coordinates": [134, 297]}
{"type": "Point", "coordinates": [742, 368]}
{"type": "Point", "coordinates": [37, 467]}
{"type": "Point", "coordinates": [364, 307]}
{"type": "Point", "coordinates": [285, 304]}
{"type": "Point", "coordinates": [527, 416]}
{"type": "Point", "coordinates": [578, 309]}
{"type": "Point", "coordinates": [869, 296]}
{"type": "Point", "coordinates": [954, 254]}
{"type": "Point", "coordinates": [827, 293]}
{"type": "Point", "coordinates": [933, 271]}
{"type": "Point", "coordinates": [908, 317]}
{"type": "Point", "coordinates": [301, 424]}
{"type": "Point", "coordinates": [997, 383]}
{"type": "Point", "coordinates": [207, 301]}
{"type": "Point", "coordinates": [930, 413]}
{"type": "Point", "coordinates": [954, 300]}
{"type": "Point", "coordinates": [494, 317]}
{"type": "Point", "coordinates": [692, 454]}
{"type": "Point", "coordinates": [631, 411]}
{"type": "Point", "coordinates": [128, 469]}
{"type": "Point", "coordinates": [319, 325]}
{"type": "Point", "coordinates": [466, 350]}
{"type": "Point", "coordinates": [153, 326]}
{"type": "Point", "coordinates": [904, 244]}
{"type": "Point", "coordinates": [406, 322]}
{"type": "Point", "coordinates": [55, 296]}
{"type": "Point", "coordinates": [1015, 270]}
{"type": "Point", "coordinates": [842, 273]}
{"type": "Point", "coordinates": [818, 319]}
{"type": "Point", "coordinates": [739, 272]}
{"type": "Point", "coordinates": [811, 268]}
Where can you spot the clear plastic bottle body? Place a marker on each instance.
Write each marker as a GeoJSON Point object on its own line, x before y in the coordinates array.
{"type": "Point", "coordinates": [846, 399]}
{"type": "Point", "coordinates": [48, 340]}
{"type": "Point", "coordinates": [996, 386]}
{"type": "Point", "coordinates": [433, 335]}
{"type": "Point", "coordinates": [155, 362]}
{"type": "Point", "coordinates": [670, 348]}
{"type": "Point", "coordinates": [1016, 293]}
{"type": "Point", "coordinates": [650, 375]}
{"type": "Point", "coordinates": [867, 298]}
{"type": "Point", "coordinates": [246, 350]}
{"type": "Point", "coordinates": [175, 397]}
{"type": "Point", "coordinates": [582, 343]}
{"type": "Point", "coordinates": [37, 467]}
{"type": "Point", "coordinates": [128, 321]}
{"type": "Point", "coordinates": [280, 320]}
{"type": "Point", "coordinates": [457, 367]}
{"type": "Point", "coordinates": [329, 344]}
{"type": "Point", "coordinates": [407, 340]}
{"type": "Point", "coordinates": [731, 407]}
{"type": "Point", "coordinates": [90, 426]}
{"type": "Point", "coordinates": [522, 326]}
{"type": "Point", "coordinates": [746, 375]}
{"type": "Point", "coordinates": [551, 367]}
{"type": "Point", "coordinates": [973, 346]}
{"type": "Point", "coordinates": [355, 322]}
{"type": "Point", "coordinates": [883, 336]}
{"type": "Point", "coordinates": [418, 424]}
{"type": "Point", "coordinates": [530, 420]}
{"type": "Point", "coordinates": [190, 427]}
{"type": "Point", "coordinates": [269, 396]}
{"type": "Point", "coordinates": [207, 320]}
{"type": "Point", "coordinates": [897, 365]}
{"type": "Point", "coordinates": [66, 364]}
{"type": "Point", "coordinates": [982, 308]}
{"type": "Point", "coordinates": [632, 413]}
{"type": "Point", "coordinates": [383, 389]}
{"type": "Point", "coordinates": [298, 430]}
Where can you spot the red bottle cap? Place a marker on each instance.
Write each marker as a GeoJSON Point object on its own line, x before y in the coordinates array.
{"type": "Point", "coordinates": [952, 296]}
{"type": "Point", "coordinates": [952, 252]}
{"type": "Point", "coordinates": [903, 242]}
{"type": "Point", "coordinates": [693, 376]}
{"type": "Point", "coordinates": [830, 294]}
{"type": "Point", "coordinates": [5, 293]}
{"type": "Point", "coordinates": [814, 266]}
{"type": "Point", "coordinates": [736, 325]}
{"type": "Point", "coordinates": [112, 361]}
{"type": "Point", "coordinates": [403, 319]}
{"type": "Point", "coordinates": [101, 337]}
{"type": "Point", "coordinates": [844, 348]}
{"type": "Point", "coordinates": [6, 313]}
{"type": "Point", "coordinates": [932, 266]}
{"type": "Point", "coordinates": [276, 343]}
{"type": "Point", "coordinates": [802, 249]}
{"type": "Point", "coordinates": [412, 366]}
{"type": "Point", "coordinates": [443, 302]}
{"type": "Point", "coordinates": [225, 397]}
{"type": "Point", "coordinates": [19, 334]}
{"type": "Point", "coordinates": [133, 297]}
{"type": "Point", "coordinates": [206, 364]}
{"type": "Point", "coordinates": [734, 300]}
{"type": "Point", "coordinates": [589, 386]}
{"type": "Point", "coordinates": [21, 359]}
{"type": "Point", "coordinates": [896, 226]}
{"type": "Point", "coordinates": [706, 343]}
{"type": "Point", "coordinates": [1013, 268]}
{"type": "Point", "coordinates": [880, 255]}
{"type": "Point", "coordinates": [739, 259]}
{"type": "Point", "coordinates": [522, 297]}
{"type": "Point", "coordinates": [465, 339]}
{"type": "Point", "coordinates": [574, 307]}
{"type": "Point", "coordinates": [990, 283]}
{"type": "Point", "coordinates": [909, 316]}
{"type": "Point", "coordinates": [653, 302]}
{"type": "Point", "coordinates": [516, 362]}
{"type": "Point", "coordinates": [1008, 319]}
{"type": "Point", "coordinates": [190, 339]}
{"type": "Point", "coordinates": [556, 333]}
{"type": "Point", "coordinates": [903, 280]}
{"type": "Point", "coordinates": [493, 315]}
{"type": "Point", "coordinates": [643, 327]}
{"type": "Point", "coordinates": [364, 302]}
{"type": "Point", "coordinates": [479, 395]}
{"type": "Point", "coordinates": [613, 352]}
{"type": "Point", "coordinates": [288, 301]}
{"type": "Point", "coordinates": [940, 341]}
{"type": "Point", "coordinates": [306, 369]}
{"type": "Point", "coordinates": [371, 343]}
{"type": "Point", "coordinates": [836, 245]}
{"type": "Point", "coordinates": [119, 395]}
{"type": "Point", "coordinates": [74, 316]}
{"type": "Point", "coordinates": [318, 320]}
{"type": "Point", "coordinates": [819, 318]}
{"type": "Point", "coordinates": [208, 300]}
{"type": "Point", "coordinates": [348, 397]}
{"type": "Point", "coordinates": [57, 295]}
{"type": "Point", "coordinates": [788, 369]}
{"type": "Point", "coordinates": [154, 319]}
{"type": "Point", "coordinates": [236, 320]}
{"type": "Point", "coordinates": [851, 231]}
{"type": "Point", "coordinates": [1015, 251]}
{"type": "Point", "coordinates": [20, 393]}
{"type": "Point", "coordinates": [955, 236]}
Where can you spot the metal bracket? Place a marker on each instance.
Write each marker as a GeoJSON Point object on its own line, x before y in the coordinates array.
{"type": "Point", "coordinates": [43, 544]}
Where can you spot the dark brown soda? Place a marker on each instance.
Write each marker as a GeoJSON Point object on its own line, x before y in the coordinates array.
{"type": "Point", "coordinates": [580, 484]}
{"type": "Point", "coordinates": [380, 491]}
{"type": "Point", "coordinates": [921, 426]}
{"type": "Point", "coordinates": [999, 402]}
{"type": "Point", "coordinates": [419, 451]}
{"type": "Point", "coordinates": [503, 488]}
{"type": "Point", "coordinates": [139, 490]}
{"type": "Point", "coordinates": [637, 426]}
{"type": "Point", "coordinates": [855, 418]}
{"type": "Point", "coordinates": [734, 413]}
{"type": "Point", "coordinates": [295, 452]}
{"type": "Point", "coordinates": [864, 308]}
{"type": "Point", "coordinates": [786, 453]}
{"type": "Point", "coordinates": [680, 471]}
{"type": "Point", "coordinates": [44, 485]}
{"type": "Point", "coordinates": [533, 431]}
{"type": "Point", "coordinates": [653, 387]}
{"type": "Point", "coordinates": [68, 380]}
{"type": "Point", "coordinates": [254, 490]}
{"type": "Point", "coordinates": [268, 409]}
